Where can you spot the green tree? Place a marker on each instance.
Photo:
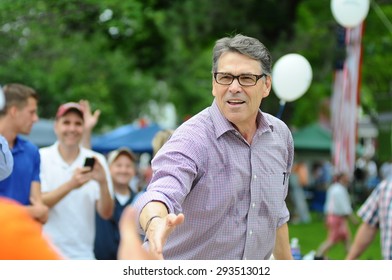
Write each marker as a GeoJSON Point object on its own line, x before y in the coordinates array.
{"type": "Point", "coordinates": [67, 52]}
{"type": "Point", "coordinates": [120, 55]}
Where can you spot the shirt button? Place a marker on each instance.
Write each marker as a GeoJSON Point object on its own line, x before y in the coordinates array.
{"type": "Point", "coordinates": [250, 232]}
{"type": "Point", "coordinates": [255, 177]}
{"type": "Point", "coordinates": [253, 205]}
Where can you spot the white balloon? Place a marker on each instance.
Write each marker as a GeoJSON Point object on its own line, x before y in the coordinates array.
{"type": "Point", "coordinates": [291, 77]}
{"type": "Point", "coordinates": [2, 99]}
{"type": "Point", "coordinates": [349, 13]}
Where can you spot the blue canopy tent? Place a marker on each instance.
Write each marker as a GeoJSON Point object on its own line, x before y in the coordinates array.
{"type": "Point", "coordinates": [115, 133]}
{"type": "Point", "coordinates": [136, 138]}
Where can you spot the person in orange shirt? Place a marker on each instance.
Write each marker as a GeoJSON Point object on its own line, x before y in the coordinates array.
{"type": "Point", "coordinates": [21, 236]}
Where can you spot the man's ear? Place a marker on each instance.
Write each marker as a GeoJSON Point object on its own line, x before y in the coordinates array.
{"type": "Point", "coordinates": [213, 83]}
{"type": "Point", "coordinates": [13, 110]}
{"type": "Point", "coordinates": [267, 86]}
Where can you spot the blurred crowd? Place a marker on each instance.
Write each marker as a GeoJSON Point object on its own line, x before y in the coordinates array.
{"type": "Point", "coordinates": [72, 195]}
{"type": "Point", "coordinates": [315, 187]}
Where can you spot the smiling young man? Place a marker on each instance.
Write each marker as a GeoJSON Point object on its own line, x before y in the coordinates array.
{"type": "Point", "coordinates": [220, 182]}
{"type": "Point", "coordinates": [72, 191]}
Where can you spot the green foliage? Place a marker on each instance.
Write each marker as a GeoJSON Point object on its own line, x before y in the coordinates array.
{"type": "Point", "coordinates": [377, 43]}
{"type": "Point", "coordinates": [64, 51]}
{"type": "Point", "coordinates": [314, 39]}
{"type": "Point", "coordinates": [121, 54]}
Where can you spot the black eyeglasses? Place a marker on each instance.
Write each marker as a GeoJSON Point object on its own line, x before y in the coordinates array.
{"type": "Point", "coordinates": [245, 80]}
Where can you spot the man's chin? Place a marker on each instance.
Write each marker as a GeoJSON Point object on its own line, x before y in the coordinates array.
{"type": "Point", "coordinates": [234, 117]}
{"type": "Point", "coordinates": [25, 132]}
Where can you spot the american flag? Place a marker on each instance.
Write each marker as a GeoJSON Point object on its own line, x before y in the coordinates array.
{"type": "Point", "coordinates": [345, 100]}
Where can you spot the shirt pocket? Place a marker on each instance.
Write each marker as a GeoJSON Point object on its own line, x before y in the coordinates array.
{"type": "Point", "coordinates": [272, 195]}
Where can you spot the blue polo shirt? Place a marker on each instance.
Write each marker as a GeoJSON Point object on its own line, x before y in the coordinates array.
{"type": "Point", "coordinates": [26, 170]}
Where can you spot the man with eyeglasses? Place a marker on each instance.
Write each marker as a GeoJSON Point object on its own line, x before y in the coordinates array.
{"type": "Point", "coordinates": [219, 183]}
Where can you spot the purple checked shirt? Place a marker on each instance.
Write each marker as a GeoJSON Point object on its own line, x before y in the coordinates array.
{"type": "Point", "coordinates": [231, 193]}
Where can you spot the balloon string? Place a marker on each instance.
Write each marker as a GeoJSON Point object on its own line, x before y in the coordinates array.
{"type": "Point", "coordinates": [281, 109]}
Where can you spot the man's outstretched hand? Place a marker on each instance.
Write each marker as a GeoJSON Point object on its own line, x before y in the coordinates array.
{"type": "Point", "coordinates": [159, 231]}
{"type": "Point", "coordinates": [131, 248]}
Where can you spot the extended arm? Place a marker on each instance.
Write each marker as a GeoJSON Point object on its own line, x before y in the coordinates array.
{"type": "Point", "coordinates": [158, 224]}
{"type": "Point", "coordinates": [362, 240]}
{"type": "Point", "coordinates": [38, 210]}
{"type": "Point", "coordinates": [282, 245]}
{"type": "Point", "coordinates": [105, 203]}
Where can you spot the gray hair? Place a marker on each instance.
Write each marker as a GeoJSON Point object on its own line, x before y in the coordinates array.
{"type": "Point", "coordinates": [248, 46]}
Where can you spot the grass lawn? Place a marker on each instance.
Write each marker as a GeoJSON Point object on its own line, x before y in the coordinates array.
{"type": "Point", "coordinates": [311, 235]}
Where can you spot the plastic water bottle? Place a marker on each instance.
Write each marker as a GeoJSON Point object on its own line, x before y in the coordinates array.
{"type": "Point", "coordinates": [295, 249]}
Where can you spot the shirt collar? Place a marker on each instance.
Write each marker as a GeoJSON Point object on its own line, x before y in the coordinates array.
{"type": "Point", "coordinates": [59, 159]}
{"type": "Point", "coordinates": [18, 145]}
{"type": "Point", "coordinates": [263, 123]}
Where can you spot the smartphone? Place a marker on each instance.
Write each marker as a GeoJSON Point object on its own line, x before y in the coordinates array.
{"type": "Point", "coordinates": [89, 162]}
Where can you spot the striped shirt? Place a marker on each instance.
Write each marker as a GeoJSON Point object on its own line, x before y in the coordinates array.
{"type": "Point", "coordinates": [231, 193]}
{"type": "Point", "coordinates": [377, 211]}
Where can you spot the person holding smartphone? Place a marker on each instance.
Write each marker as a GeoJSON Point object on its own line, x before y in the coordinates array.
{"type": "Point", "coordinates": [74, 186]}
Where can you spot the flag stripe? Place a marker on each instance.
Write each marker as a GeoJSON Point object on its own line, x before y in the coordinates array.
{"type": "Point", "coordinates": [345, 103]}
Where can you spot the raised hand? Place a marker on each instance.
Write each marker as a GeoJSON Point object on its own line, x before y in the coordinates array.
{"type": "Point", "coordinates": [90, 118]}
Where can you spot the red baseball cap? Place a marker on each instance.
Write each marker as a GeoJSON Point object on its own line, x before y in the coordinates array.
{"type": "Point", "coordinates": [70, 106]}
